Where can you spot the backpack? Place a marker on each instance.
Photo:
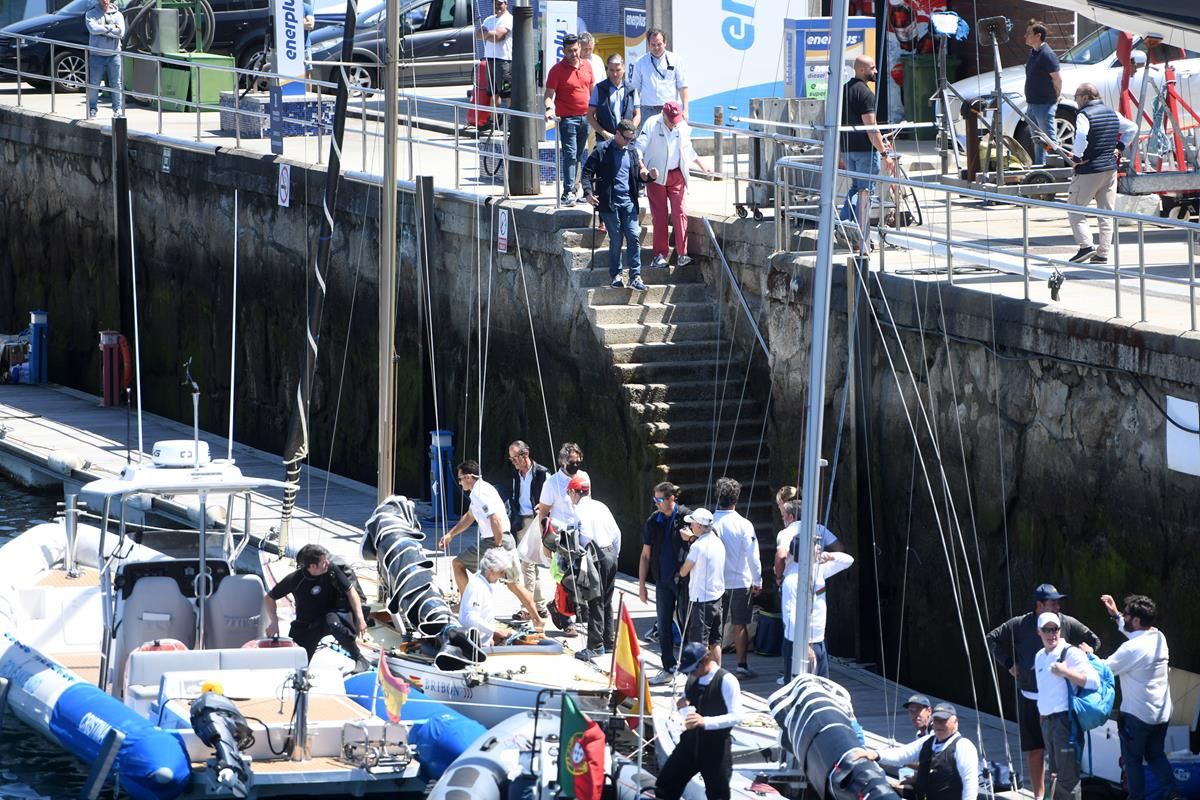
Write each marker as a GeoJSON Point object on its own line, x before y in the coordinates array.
{"type": "Point", "coordinates": [1092, 707]}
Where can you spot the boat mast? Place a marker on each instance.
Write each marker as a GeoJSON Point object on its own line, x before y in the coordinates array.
{"type": "Point", "coordinates": [387, 253]}
{"type": "Point", "coordinates": [822, 282]}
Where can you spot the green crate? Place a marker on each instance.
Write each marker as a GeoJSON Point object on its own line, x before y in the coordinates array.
{"type": "Point", "coordinates": [177, 85]}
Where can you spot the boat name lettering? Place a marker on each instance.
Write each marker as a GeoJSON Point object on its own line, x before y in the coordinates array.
{"type": "Point", "coordinates": [93, 727]}
{"type": "Point", "coordinates": [446, 688]}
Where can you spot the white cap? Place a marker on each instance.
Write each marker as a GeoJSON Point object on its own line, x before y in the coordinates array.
{"type": "Point", "coordinates": [701, 515]}
{"type": "Point", "coordinates": [1048, 618]}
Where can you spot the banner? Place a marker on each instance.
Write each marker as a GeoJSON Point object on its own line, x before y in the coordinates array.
{"type": "Point", "coordinates": [806, 53]}
{"type": "Point", "coordinates": [634, 21]}
{"type": "Point", "coordinates": [289, 43]}
{"type": "Point", "coordinates": [559, 18]}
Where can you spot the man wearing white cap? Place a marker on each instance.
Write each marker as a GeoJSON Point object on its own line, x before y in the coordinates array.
{"type": "Point", "coordinates": [705, 568]}
{"type": "Point", "coordinates": [1060, 668]}
{"type": "Point", "coordinates": [947, 762]}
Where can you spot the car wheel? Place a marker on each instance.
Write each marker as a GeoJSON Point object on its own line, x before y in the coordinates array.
{"type": "Point", "coordinates": [1064, 127]}
{"type": "Point", "coordinates": [257, 59]}
{"type": "Point", "coordinates": [361, 76]}
{"type": "Point", "coordinates": [70, 71]}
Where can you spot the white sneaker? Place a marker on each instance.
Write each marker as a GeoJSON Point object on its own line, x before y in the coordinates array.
{"type": "Point", "coordinates": [659, 262]}
{"type": "Point", "coordinates": [781, 681]}
{"type": "Point", "coordinates": [662, 678]}
{"type": "Point", "coordinates": [683, 261]}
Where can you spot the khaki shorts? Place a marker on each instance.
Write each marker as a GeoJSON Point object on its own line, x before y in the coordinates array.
{"type": "Point", "coordinates": [469, 557]}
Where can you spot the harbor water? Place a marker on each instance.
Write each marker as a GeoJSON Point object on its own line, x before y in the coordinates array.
{"type": "Point", "coordinates": [29, 767]}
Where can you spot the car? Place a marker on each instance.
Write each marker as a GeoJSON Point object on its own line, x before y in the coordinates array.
{"type": "Point", "coordinates": [437, 45]}
{"type": "Point", "coordinates": [1092, 60]}
{"type": "Point", "coordinates": [16, 10]}
{"type": "Point", "coordinates": [240, 29]}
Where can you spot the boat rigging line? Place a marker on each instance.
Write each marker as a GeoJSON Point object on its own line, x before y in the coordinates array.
{"type": "Point", "coordinates": [233, 326]}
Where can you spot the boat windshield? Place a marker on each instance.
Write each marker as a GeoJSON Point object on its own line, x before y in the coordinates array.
{"type": "Point", "coordinates": [1096, 48]}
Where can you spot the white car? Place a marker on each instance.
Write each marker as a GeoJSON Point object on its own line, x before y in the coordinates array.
{"type": "Point", "coordinates": [1093, 60]}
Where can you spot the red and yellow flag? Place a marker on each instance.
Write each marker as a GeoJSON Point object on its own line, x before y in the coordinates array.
{"type": "Point", "coordinates": [395, 690]}
{"type": "Point", "coordinates": [629, 676]}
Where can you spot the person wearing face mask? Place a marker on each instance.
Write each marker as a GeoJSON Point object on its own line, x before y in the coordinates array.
{"type": "Point", "coordinates": [554, 503]}
{"type": "Point", "coordinates": [861, 149]}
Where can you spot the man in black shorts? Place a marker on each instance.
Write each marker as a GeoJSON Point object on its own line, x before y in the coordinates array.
{"type": "Point", "coordinates": [496, 33]}
{"type": "Point", "coordinates": [326, 603]}
{"type": "Point", "coordinates": [1013, 646]}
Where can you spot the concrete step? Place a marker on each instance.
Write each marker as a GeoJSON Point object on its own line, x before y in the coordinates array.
{"type": "Point", "coordinates": [586, 277]}
{"type": "Point", "coordinates": [653, 293]}
{"type": "Point", "coordinates": [651, 313]}
{"type": "Point", "coordinates": [628, 333]}
{"type": "Point", "coordinates": [668, 371]}
{"type": "Point", "coordinates": [731, 425]}
{"type": "Point", "coordinates": [694, 387]}
{"type": "Point", "coordinates": [697, 411]}
{"type": "Point", "coordinates": [657, 352]}
{"type": "Point", "coordinates": [588, 238]}
{"type": "Point", "coordinates": [702, 449]}
{"type": "Point", "coordinates": [694, 489]}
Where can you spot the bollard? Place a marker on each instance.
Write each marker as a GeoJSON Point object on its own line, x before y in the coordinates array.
{"type": "Point", "coordinates": [110, 369]}
{"type": "Point", "coordinates": [39, 347]}
{"type": "Point", "coordinates": [441, 472]}
{"type": "Point", "coordinates": [719, 142]}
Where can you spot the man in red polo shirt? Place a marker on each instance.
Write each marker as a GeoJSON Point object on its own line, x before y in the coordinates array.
{"type": "Point", "coordinates": [568, 88]}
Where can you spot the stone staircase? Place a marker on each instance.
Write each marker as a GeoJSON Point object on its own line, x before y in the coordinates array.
{"type": "Point", "coordinates": [687, 396]}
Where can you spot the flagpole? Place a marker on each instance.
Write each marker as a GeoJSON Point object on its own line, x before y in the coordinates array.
{"type": "Point", "coordinates": [641, 709]}
{"type": "Point", "coordinates": [612, 669]}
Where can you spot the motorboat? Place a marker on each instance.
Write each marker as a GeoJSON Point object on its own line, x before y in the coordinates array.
{"type": "Point", "coordinates": [154, 664]}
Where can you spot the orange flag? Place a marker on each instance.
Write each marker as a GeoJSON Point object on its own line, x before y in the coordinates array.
{"type": "Point", "coordinates": [628, 673]}
{"type": "Point", "coordinates": [395, 690]}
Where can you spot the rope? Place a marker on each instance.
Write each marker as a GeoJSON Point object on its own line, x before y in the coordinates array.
{"type": "Point", "coordinates": [137, 337]}
{"type": "Point", "coordinates": [532, 334]}
{"type": "Point", "coordinates": [233, 324]}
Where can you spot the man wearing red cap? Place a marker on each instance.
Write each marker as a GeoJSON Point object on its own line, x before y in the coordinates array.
{"type": "Point", "coordinates": [598, 532]}
{"type": "Point", "coordinates": [665, 145]}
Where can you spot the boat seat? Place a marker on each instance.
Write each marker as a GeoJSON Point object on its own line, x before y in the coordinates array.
{"type": "Point", "coordinates": [147, 667]}
{"type": "Point", "coordinates": [155, 609]}
{"type": "Point", "coordinates": [234, 613]}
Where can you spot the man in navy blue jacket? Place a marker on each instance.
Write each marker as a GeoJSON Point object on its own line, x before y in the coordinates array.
{"type": "Point", "coordinates": [613, 100]}
{"type": "Point", "coordinates": [612, 177]}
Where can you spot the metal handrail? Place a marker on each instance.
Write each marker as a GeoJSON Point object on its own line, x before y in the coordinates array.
{"type": "Point", "coordinates": [737, 289]}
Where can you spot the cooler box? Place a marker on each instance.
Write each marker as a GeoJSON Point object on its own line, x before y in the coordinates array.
{"type": "Point", "coordinates": [1186, 768]}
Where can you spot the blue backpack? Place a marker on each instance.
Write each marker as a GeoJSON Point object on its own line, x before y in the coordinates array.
{"type": "Point", "coordinates": [1092, 707]}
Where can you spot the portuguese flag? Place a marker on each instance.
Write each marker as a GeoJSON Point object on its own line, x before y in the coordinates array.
{"type": "Point", "coordinates": [580, 754]}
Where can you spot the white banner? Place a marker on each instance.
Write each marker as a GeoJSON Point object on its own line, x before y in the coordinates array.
{"type": "Point", "coordinates": [289, 38]}
{"type": "Point", "coordinates": [559, 18]}
{"type": "Point", "coordinates": [731, 52]}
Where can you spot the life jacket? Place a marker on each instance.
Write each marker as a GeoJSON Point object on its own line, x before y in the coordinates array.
{"type": "Point", "coordinates": [937, 773]}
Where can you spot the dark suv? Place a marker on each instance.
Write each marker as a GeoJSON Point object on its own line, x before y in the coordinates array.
{"type": "Point", "coordinates": [437, 45]}
{"type": "Point", "coordinates": [241, 29]}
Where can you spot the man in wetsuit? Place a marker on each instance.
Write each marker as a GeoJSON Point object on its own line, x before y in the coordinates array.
{"type": "Point", "coordinates": [715, 699]}
{"type": "Point", "coordinates": [326, 603]}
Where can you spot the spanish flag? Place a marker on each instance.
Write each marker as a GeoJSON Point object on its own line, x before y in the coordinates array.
{"type": "Point", "coordinates": [395, 690]}
{"type": "Point", "coordinates": [628, 673]}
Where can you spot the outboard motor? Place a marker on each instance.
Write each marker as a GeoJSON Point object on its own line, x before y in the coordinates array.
{"type": "Point", "coordinates": [393, 537]}
{"type": "Point", "coordinates": [219, 724]}
{"type": "Point", "coordinates": [818, 728]}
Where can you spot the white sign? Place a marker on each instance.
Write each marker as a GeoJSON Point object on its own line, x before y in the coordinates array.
{"type": "Point", "coordinates": [289, 38]}
{"type": "Point", "coordinates": [634, 20]}
{"type": "Point", "coordinates": [1183, 447]}
{"type": "Point", "coordinates": [559, 18]}
{"type": "Point", "coordinates": [502, 231]}
{"type": "Point", "coordinates": [285, 185]}
{"type": "Point", "coordinates": [730, 52]}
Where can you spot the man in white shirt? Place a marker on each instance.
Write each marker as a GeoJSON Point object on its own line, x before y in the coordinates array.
{"type": "Point", "coordinates": [496, 33]}
{"type": "Point", "coordinates": [705, 569]}
{"type": "Point", "coordinates": [665, 145]}
{"type": "Point", "coordinates": [947, 762]}
{"type": "Point", "coordinates": [476, 611]}
{"type": "Point", "coordinates": [1142, 664]}
{"type": "Point", "coordinates": [526, 479]}
{"type": "Point", "coordinates": [587, 52]}
{"type": "Point", "coordinates": [658, 76]}
{"type": "Point", "coordinates": [487, 509]}
{"type": "Point", "coordinates": [598, 532]}
{"type": "Point", "coordinates": [712, 703]}
{"type": "Point", "coordinates": [743, 568]}
{"type": "Point", "coordinates": [1060, 668]}
{"type": "Point", "coordinates": [553, 502]}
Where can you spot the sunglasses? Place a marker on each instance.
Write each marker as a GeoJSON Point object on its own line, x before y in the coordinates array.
{"type": "Point", "coordinates": [658, 500]}
{"type": "Point", "coordinates": [1049, 630]}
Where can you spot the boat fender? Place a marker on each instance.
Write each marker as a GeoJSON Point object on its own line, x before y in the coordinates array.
{"type": "Point", "coordinates": [152, 764]}
{"type": "Point", "coordinates": [65, 463]}
{"type": "Point", "coordinates": [270, 641]}
{"type": "Point", "coordinates": [161, 644]}
{"type": "Point", "coordinates": [126, 362]}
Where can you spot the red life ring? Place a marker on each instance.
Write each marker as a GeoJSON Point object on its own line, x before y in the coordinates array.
{"type": "Point", "coordinates": [270, 641]}
{"type": "Point", "coordinates": [126, 362]}
{"type": "Point", "coordinates": [161, 644]}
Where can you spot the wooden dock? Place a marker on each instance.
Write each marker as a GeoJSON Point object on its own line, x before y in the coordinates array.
{"type": "Point", "coordinates": [39, 425]}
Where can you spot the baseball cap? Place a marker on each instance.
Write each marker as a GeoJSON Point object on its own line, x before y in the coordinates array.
{"type": "Point", "coordinates": [579, 483]}
{"type": "Point", "coordinates": [1154, 35]}
{"type": "Point", "coordinates": [701, 515]}
{"type": "Point", "coordinates": [1048, 618]}
{"type": "Point", "coordinates": [1046, 591]}
{"type": "Point", "coordinates": [691, 656]}
{"type": "Point", "coordinates": [918, 699]}
{"type": "Point", "coordinates": [944, 711]}
{"type": "Point", "coordinates": [672, 110]}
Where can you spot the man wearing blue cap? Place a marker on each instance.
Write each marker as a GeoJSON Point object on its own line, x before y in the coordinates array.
{"type": "Point", "coordinates": [947, 762]}
{"type": "Point", "coordinates": [711, 705]}
{"type": "Point", "coordinates": [1014, 645]}
{"type": "Point", "coordinates": [919, 710]}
